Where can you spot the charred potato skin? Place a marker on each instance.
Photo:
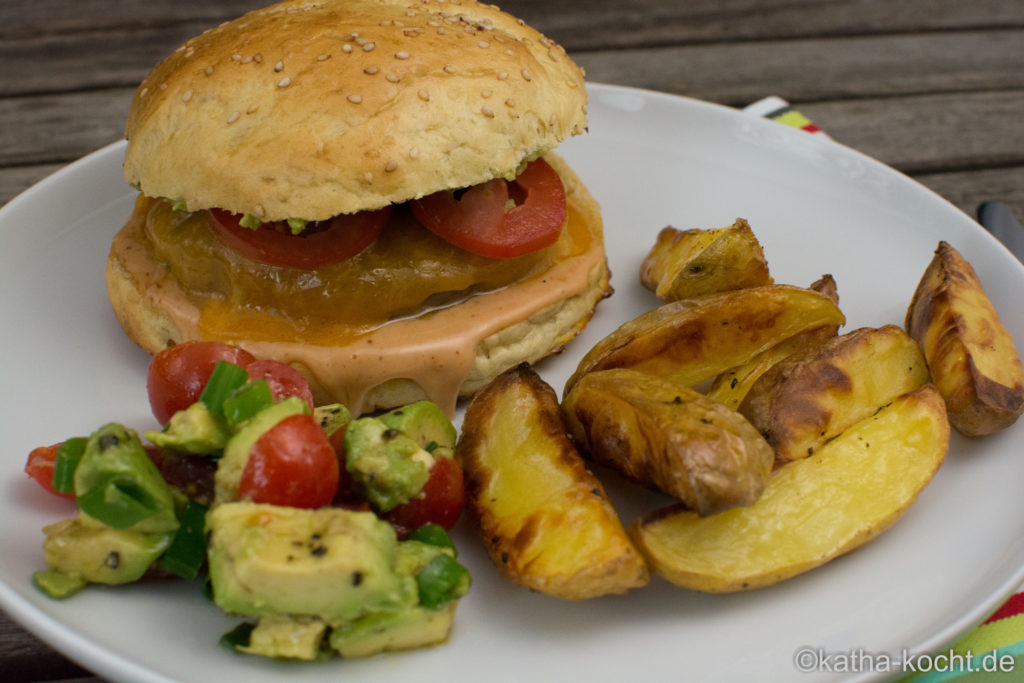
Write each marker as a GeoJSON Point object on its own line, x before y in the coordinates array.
{"type": "Point", "coordinates": [686, 263]}
{"type": "Point", "coordinates": [972, 357]}
{"type": "Point", "coordinates": [668, 437]}
{"type": "Point", "coordinates": [696, 339]}
{"type": "Point", "coordinates": [812, 511]}
{"type": "Point", "coordinates": [811, 397]}
{"type": "Point", "coordinates": [557, 532]}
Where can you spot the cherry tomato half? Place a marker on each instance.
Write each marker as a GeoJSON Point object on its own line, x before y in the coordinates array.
{"type": "Point", "coordinates": [441, 500]}
{"type": "Point", "coordinates": [480, 221]}
{"type": "Point", "coordinates": [40, 467]}
{"type": "Point", "coordinates": [178, 374]}
{"type": "Point", "coordinates": [284, 380]}
{"type": "Point", "coordinates": [320, 244]}
{"type": "Point", "coordinates": [292, 464]}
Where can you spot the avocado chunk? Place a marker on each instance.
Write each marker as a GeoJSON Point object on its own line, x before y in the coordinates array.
{"type": "Point", "coordinates": [117, 482]}
{"type": "Point", "coordinates": [238, 447]}
{"type": "Point", "coordinates": [426, 424]}
{"type": "Point", "coordinates": [389, 631]}
{"type": "Point", "coordinates": [388, 467]}
{"type": "Point", "coordinates": [332, 417]}
{"type": "Point", "coordinates": [287, 637]}
{"type": "Point", "coordinates": [88, 551]}
{"type": "Point", "coordinates": [195, 431]}
{"type": "Point", "coordinates": [331, 563]}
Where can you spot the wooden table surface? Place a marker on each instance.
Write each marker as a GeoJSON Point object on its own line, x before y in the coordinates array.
{"type": "Point", "coordinates": [934, 88]}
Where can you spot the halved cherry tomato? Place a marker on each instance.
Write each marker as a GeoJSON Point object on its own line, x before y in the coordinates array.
{"type": "Point", "coordinates": [291, 464]}
{"type": "Point", "coordinates": [440, 501]}
{"type": "Point", "coordinates": [284, 380]}
{"type": "Point", "coordinates": [480, 221]}
{"type": "Point", "coordinates": [321, 243]}
{"type": "Point", "coordinates": [40, 467]}
{"type": "Point", "coordinates": [178, 374]}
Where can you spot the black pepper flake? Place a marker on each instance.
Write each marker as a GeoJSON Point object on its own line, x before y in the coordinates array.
{"type": "Point", "coordinates": [318, 550]}
{"type": "Point", "coordinates": [596, 492]}
{"type": "Point", "coordinates": [733, 383]}
{"type": "Point", "coordinates": [390, 434]}
{"type": "Point", "coordinates": [707, 421]}
{"type": "Point", "coordinates": [504, 558]}
{"type": "Point", "coordinates": [357, 578]}
{"type": "Point", "coordinates": [108, 441]}
{"type": "Point", "coordinates": [678, 400]}
{"type": "Point", "coordinates": [113, 560]}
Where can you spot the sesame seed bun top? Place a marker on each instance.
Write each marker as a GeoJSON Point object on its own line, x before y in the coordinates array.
{"type": "Point", "coordinates": [310, 109]}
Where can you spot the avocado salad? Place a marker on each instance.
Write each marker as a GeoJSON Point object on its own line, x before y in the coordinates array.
{"type": "Point", "coordinates": [232, 489]}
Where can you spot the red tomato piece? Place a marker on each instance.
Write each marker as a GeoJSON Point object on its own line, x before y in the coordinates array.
{"type": "Point", "coordinates": [480, 220]}
{"type": "Point", "coordinates": [440, 501]}
{"type": "Point", "coordinates": [321, 243]}
{"type": "Point", "coordinates": [40, 467]}
{"type": "Point", "coordinates": [292, 464]}
{"type": "Point", "coordinates": [178, 374]}
{"type": "Point", "coordinates": [284, 380]}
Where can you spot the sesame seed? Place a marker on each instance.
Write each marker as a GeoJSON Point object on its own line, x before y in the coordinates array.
{"type": "Point", "coordinates": [510, 102]}
{"type": "Point", "coordinates": [369, 46]}
{"type": "Point", "coordinates": [502, 75]}
{"type": "Point", "coordinates": [393, 77]}
{"type": "Point", "coordinates": [412, 32]}
{"type": "Point", "coordinates": [527, 75]}
{"type": "Point", "coordinates": [483, 44]}
{"type": "Point", "coordinates": [259, 210]}
{"type": "Point", "coordinates": [190, 52]}
{"type": "Point", "coordinates": [402, 55]}
{"type": "Point", "coordinates": [355, 99]}
{"type": "Point", "coordinates": [234, 117]}
{"type": "Point", "coordinates": [237, 57]}
{"type": "Point", "coordinates": [209, 70]}
{"type": "Point", "coordinates": [187, 96]}
{"type": "Point", "coordinates": [441, 31]}
{"type": "Point", "coordinates": [323, 58]}
{"type": "Point", "coordinates": [424, 95]}
{"type": "Point", "coordinates": [278, 67]}
{"type": "Point", "coordinates": [144, 92]}
{"type": "Point", "coordinates": [545, 42]}
{"type": "Point", "coordinates": [553, 55]}
{"type": "Point", "coordinates": [391, 165]}
{"type": "Point", "coordinates": [346, 48]}
{"type": "Point", "coordinates": [258, 58]}
{"type": "Point", "coordinates": [385, 22]}
{"type": "Point", "coordinates": [163, 86]}
{"type": "Point", "coordinates": [368, 177]}
{"type": "Point", "coordinates": [284, 82]}
{"type": "Point", "coordinates": [253, 109]}
{"type": "Point", "coordinates": [509, 52]}
{"type": "Point", "coordinates": [487, 111]}
{"type": "Point", "coordinates": [414, 153]}
{"type": "Point", "coordinates": [448, 69]}
{"type": "Point", "coordinates": [485, 94]}
{"type": "Point", "coordinates": [370, 70]}
{"type": "Point", "coordinates": [360, 41]}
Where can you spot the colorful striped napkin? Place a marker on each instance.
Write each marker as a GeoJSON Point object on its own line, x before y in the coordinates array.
{"type": "Point", "coordinates": [993, 651]}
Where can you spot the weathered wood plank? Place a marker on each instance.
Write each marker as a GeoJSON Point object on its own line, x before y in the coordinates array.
{"type": "Point", "coordinates": [802, 70]}
{"type": "Point", "coordinates": [604, 23]}
{"type": "Point", "coordinates": [26, 658]}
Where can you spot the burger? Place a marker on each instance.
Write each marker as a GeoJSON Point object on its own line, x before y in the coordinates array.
{"type": "Point", "coordinates": [364, 189]}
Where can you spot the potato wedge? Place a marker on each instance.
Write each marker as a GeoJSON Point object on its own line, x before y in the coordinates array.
{"type": "Point", "coordinates": [972, 358]}
{"type": "Point", "coordinates": [812, 510]}
{"type": "Point", "coordinates": [683, 264]}
{"type": "Point", "coordinates": [546, 520]}
{"type": "Point", "coordinates": [693, 340]}
{"type": "Point", "coordinates": [731, 387]}
{"type": "Point", "coordinates": [809, 398]}
{"type": "Point", "coordinates": [668, 437]}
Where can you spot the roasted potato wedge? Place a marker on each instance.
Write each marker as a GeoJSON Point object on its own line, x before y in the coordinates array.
{"type": "Point", "coordinates": [809, 398]}
{"type": "Point", "coordinates": [812, 510]}
{"type": "Point", "coordinates": [972, 358]}
{"type": "Point", "coordinates": [546, 520]}
{"type": "Point", "coordinates": [668, 437]}
{"type": "Point", "coordinates": [693, 340]}
{"type": "Point", "coordinates": [731, 387]}
{"type": "Point", "coordinates": [683, 264]}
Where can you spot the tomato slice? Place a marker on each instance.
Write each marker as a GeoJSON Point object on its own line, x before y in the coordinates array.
{"type": "Point", "coordinates": [292, 464]}
{"type": "Point", "coordinates": [440, 501]}
{"type": "Point", "coordinates": [480, 221]}
{"type": "Point", "coordinates": [322, 243]}
{"type": "Point", "coordinates": [177, 374]}
{"type": "Point", "coordinates": [284, 380]}
{"type": "Point", "coordinates": [40, 466]}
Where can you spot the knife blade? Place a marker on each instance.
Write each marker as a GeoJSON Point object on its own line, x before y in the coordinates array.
{"type": "Point", "coordinates": [999, 220]}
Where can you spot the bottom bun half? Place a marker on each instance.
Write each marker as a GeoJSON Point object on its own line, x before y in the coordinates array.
{"type": "Point", "coordinates": [440, 356]}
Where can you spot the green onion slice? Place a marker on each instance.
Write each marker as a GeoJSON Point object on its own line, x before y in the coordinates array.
{"type": "Point", "coordinates": [185, 555]}
{"type": "Point", "coordinates": [432, 534]}
{"type": "Point", "coordinates": [69, 454]}
{"type": "Point", "coordinates": [118, 501]}
{"type": "Point", "coordinates": [226, 377]}
{"type": "Point", "coordinates": [247, 400]}
{"type": "Point", "coordinates": [441, 581]}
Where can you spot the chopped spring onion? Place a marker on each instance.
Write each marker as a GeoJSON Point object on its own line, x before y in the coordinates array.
{"type": "Point", "coordinates": [226, 377]}
{"type": "Point", "coordinates": [118, 501]}
{"type": "Point", "coordinates": [246, 401]}
{"type": "Point", "coordinates": [441, 581]}
{"type": "Point", "coordinates": [69, 454]}
{"type": "Point", "coordinates": [238, 636]}
{"type": "Point", "coordinates": [185, 555]}
{"type": "Point", "coordinates": [432, 534]}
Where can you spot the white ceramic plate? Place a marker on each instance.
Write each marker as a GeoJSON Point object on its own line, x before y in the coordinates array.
{"type": "Point", "coordinates": [651, 160]}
